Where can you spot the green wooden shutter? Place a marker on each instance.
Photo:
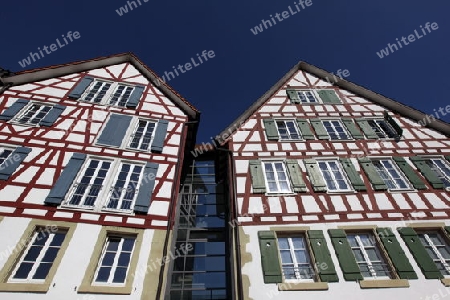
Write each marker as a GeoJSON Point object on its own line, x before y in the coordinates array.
{"type": "Point", "coordinates": [296, 176]}
{"type": "Point", "coordinates": [305, 130]}
{"type": "Point", "coordinates": [324, 263]}
{"type": "Point", "coordinates": [319, 129]}
{"type": "Point", "coordinates": [329, 97]}
{"type": "Point", "coordinates": [393, 123]}
{"type": "Point", "coordinates": [427, 172]}
{"type": "Point", "coordinates": [351, 127]}
{"type": "Point", "coordinates": [256, 172]}
{"type": "Point", "coordinates": [344, 252]}
{"type": "Point", "coordinates": [315, 176]}
{"type": "Point", "coordinates": [409, 172]}
{"type": "Point", "coordinates": [374, 178]}
{"type": "Point", "coordinates": [271, 129]}
{"type": "Point", "coordinates": [270, 261]}
{"type": "Point", "coordinates": [396, 253]}
{"type": "Point", "coordinates": [353, 175]}
{"type": "Point", "coordinates": [293, 95]}
{"type": "Point", "coordinates": [367, 129]}
{"type": "Point", "coordinates": [420, 254]}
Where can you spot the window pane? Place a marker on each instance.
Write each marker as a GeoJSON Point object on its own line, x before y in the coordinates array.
{"type": "Point", "coordinates": [42, 271]}
{"type": "Point", "coordinates": [286, 256]}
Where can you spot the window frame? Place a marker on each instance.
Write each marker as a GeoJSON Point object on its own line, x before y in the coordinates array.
{"type": "Point", "coordinates": [23, 243]}
{"type": "Point", "coordinates": [6, 148]}
{"type": "Point", "coordinates": [341, 123]}
{"type": "Point", "coordinates": [285, 170]}
{"type": "Point", "coordinates": [445, 162]}
{"type": "Point", "coordinates": [441, 233]}
{"type": "Point", "coordinates": [20, 114]}
{"type": "Point", "coordinates": [114, 85]}
{"type": "Point", "coordinates": [132, 130]}
{"type": "Point", "coordinates": [386, 136]}
{"type": "Point", "coordinates": [104, 195]}
{"type": "Point", "coordinates": [297, 129]}
{"type": "Point", "coordinates": [397, 169]}
{"type": "Point", "coordinates": [313, 93]}
{"type": "Point", "coordinates": [89, 286]}
{"type": "Point", "coordinates": [345, 177]}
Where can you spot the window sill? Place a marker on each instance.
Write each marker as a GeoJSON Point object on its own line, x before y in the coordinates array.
{"type": "Point", "coordinates": [401, 191]}
{"type": "Point", "coordinates": [25, 287]}
{"type": "Point", "coordinates": [95, 210]}
{"type": "Point", "coordinates": [383, 283]}
{"type": "Point", "coordinates": [24, 124]}
{"type": "Point", "coordinates": [303, 286]}
{"type": "Point", "coordinates": [280, 194]}
{"type": "Point", "coordinates": [125, 290]}
{"type": "Point", "coordinates": [341, 192]}
{"type": "Point", "coordinates": [445, 281]}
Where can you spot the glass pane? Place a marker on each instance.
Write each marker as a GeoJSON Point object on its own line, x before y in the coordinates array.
{"type": "Point", "coordinates": [299, 243]}
{"type": "Point", "coordinates": [283, 243]}
{"type": "Point", "coordinates": [301, 256]}
{"type": "Point", "coordinates": [120, 275]}
{"type": "Point", "coordinates": [128, 244]}
{"type": "Point", "coordinates": [124, 259]}
{"type": "Point", "coordinates": [42, 271]}
{"type": "Point", "coordinates": [50, 255]}
{"type": "Point", "coordinates": [103, 274]}
{"type": "Point", "coordinates": [285, 256]}
{"type": "Point", "coordinates": [23, 271]}
{"type": "Point", "coordinates": [58, 239]}
{"type": "Point", "coordinates": [33, 253]}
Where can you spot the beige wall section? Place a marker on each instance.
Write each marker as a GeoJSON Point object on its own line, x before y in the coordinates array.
{"type": "Point", "coordinates": [22, 245]}
{"type": "Point", "coordinates": [430, 225]}
{"type": "Point", "coordinates": [246, 257]}
{"type": "Point", "coordinates": [151, 279]}
{"type": "Point", "coordinates": [86, 285]}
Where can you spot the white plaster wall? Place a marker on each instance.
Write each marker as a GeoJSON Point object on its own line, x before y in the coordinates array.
{"type": "Point", "coordinates": [419, 289]}
{"type": "Point", "coordinates": [72, 269]}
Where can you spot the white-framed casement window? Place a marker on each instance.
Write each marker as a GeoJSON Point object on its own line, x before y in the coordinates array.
{"type": "Point", "coordinates": [334, 176]}
{"type": "Point", "coordinates": [106, 185]}
{"type": "Point", "coordinates": [441, 168]}
{"type": "Point", "coordinates": [336, 130]}
{"type": "Point", "coordinates": [288, 130]}
{"type": "Point", "coordinates": [32, 114]}
{"type": "Point", "coordinates": [34, 264]}
{"type": "Point", "coordinates": [108, 93]}
{"type": "Point", "coordinates": [392, 176]}
{"type": "Point", "coordinates": [277, 180]}
{"type": "Point", "coordinates": [307, 96]}
{"type": "Point", "coordinates": [371, 262]}
{"type": "Point", "coordinates": [382, 128]}
{"type": "Point", "coordinates": [142, 135]}
{"type": "Point", "coordinates": [114, 263]}
{"type": "Point", "coordinates": [295, 256]}
{"type": "Point", "coordinates": [438, 248]}
{"type": "Point", "coordinates": [4, 154]}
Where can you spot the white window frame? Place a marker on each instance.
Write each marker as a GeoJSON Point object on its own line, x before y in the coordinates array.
{"type": "Point", "coordinates": [297, 129]}
{"type": "Point", "coordinates": [313, 93]}
{"type": "Point", "coordinates": [294, 258]}
{"type": "Point", "coordinates": [131, 132]}
{"type": "Point", "coordinates": [103, 197]}
{"type": "Point", "coordinates": [435, 250]}
{"type": "Point", "coordinates": [38, 259]}
{"type": "Point", "coordinates": [341, 171]}
{"type": "Point", "coordinates": [109, 93]}
{"type": "Point", "coordinates": [283, 163]}
{"type": "Point", "coordinates": [397, 169]}
{"type": "Point", "coordinates": [442, 173]}
{"type": "Point", "coordinates": [22, 112]}
{"type": "Point", "coordinates": [385, 135]}
{"type": "Point", "coordinates": [115, 262]}
{"type": "Point", "coordinates": [378, 249]}
{"type": "Point", "coordinates": [349, 136]}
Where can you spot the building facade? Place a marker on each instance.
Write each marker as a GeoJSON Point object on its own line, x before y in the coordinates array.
{"type": "Point", "coordinates": [91, 158]}
{"type": "Point", "coordinates": [337, 193]}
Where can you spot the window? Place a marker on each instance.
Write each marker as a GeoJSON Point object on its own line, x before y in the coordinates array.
{"type": "Point", "coordinates": [382, 129]}
{"type": "Point", "coordinates": [441, 169]}
{"type": "Point", "coordinates": [276, 177]}
{"type": "Point", "coordinates": [109, 93]}
{"type": "Point", "coordinates": [334, 176]}
{"type": "Point", "coordinates": [36, 257]}
{"type": "Point", "coordinates": [371, 262]}
{"type": "Point", "coordinates": [115, 260]}
{"type": "Point", "coordinates": [4, 154]}
{"type": "Point", "coordinates": [287, 130]}
{"type": "Point", "coordinates": [295, 258]}
{"type": "Point", "coordinates": [438, 248]}
{"type": "Point", "coordinates": [142, 135]}
{"type": "Point", "coordinates": [336, 130]}
{"type": "Point", "coordinates": [391, 175]}
{"type": "Point", "coordinates": [116, 182]}
{"type": "Point", "coordinates": [32, 114]}
{"type": "Point", "coordinates": [307, 97]}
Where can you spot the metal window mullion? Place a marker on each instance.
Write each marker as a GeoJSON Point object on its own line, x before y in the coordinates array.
{"type": "Point", "coordinates": [40, 256]}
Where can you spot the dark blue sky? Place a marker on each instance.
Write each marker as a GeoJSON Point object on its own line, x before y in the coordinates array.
{"type": "Point", "coordinates": [329, 34]}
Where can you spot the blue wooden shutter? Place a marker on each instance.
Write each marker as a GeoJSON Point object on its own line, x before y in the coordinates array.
{"type": "Point", "coordinates": [160, 136]}
{"type": "Point", "coordinates": [115, 130]}
{"type": "Point", "coordinates": [13, 110]}
{"type": "Point", "coordinates": [52, 115]}
{"type": "Point", "coordinates": [81, 87]}
{"type": "Point", "coordinates": [13, 162]}
{"type": "Point", "coordinates": [65, 180]}
{"type": "Point", "coordinates": [144, 196]}
{"type": "Point", "coordinates": [133, 101]}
